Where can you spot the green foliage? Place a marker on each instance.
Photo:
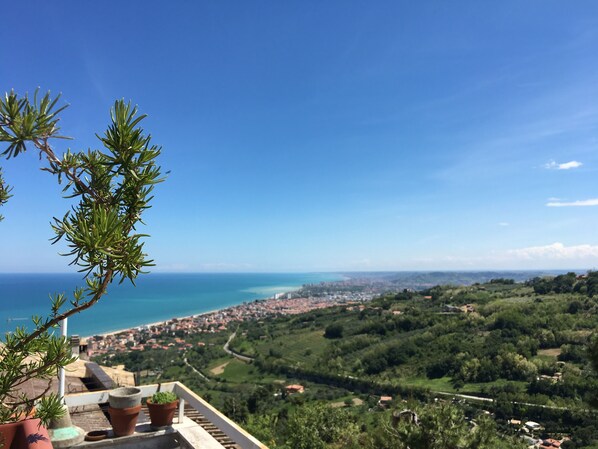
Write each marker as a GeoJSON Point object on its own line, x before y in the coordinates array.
{"type": "Point", "coordinates": [593, 352]}
{"type": "Point", "coordinates": [503, 281]}
{"type": "Point", "coordinates": [163, 397]}
{"type": "Point", "coordinates": [235, 409]}
{"type": "Point", "coordinates": [49, 407]}
{"type": "Point", "coordinates": [4, 192]}
{"type": "Point", "coordinates": [441, 426]}
{"type": "Point", "coordinates": [315, 426]}
{"type": "Point", "coordinates": [507, 365]}
{"type": "Point", "coordinates": [593, 356]}
{"type": "Point", "coordinates": [496, 349]}
{"type": "Point", "coordinates": [25, 121]}
{"type": "Point", "coordinates": [35, 359]}
{"type": "Point", "coordinates": [112, 189]}
{"type": "Point", "coordinates": [507, 340]}
{"type": "Point", "coordinates": [566, 283]}
{"type": "Point", "coordinates": [592, 284]}
{"type": "Point", "coordinates": [264, 428]}
{"type": "Point", "coordinates": [334, 330]}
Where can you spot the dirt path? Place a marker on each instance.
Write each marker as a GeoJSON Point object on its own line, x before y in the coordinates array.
{"type": "Point", "coordinates": [195, 370]}
{"type": "Point", "coordinates": [356, 401]}
{"type": "Point", "coordinates": [553, 352]}
{"type": "Point", "coordinates": [217, 370]}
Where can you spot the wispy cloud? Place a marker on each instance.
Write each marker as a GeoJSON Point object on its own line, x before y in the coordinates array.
{"type": "Point", "coordinates": [552, 165]}
{"type": "Point", "coordinates": [504, 224]}
{"type": "Point", "coordinates": [552, 256]}
{"type": "Point", "coordinates": [578, 203]}
{"type": "Point", "coordinates": [555, 251]}
{"type": "Point", "coordinates": [534, 125]}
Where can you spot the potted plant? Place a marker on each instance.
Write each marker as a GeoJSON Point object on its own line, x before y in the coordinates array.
{"type": "Point", "coordinates": [125, 405]}
{"type": "Point", "coordinates": [109, 191]}
{"type": "Point", "coordinates": [162, 406]}
{"type": "Point", "coordinates": [29, 422]}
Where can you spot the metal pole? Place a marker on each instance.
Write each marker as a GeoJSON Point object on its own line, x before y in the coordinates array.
{"type": "Point", "coordinates": [181, 410]}
{"type": "Point", "coordinates": [61, 375]}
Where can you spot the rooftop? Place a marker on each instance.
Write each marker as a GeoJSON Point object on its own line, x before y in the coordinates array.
{"type": "Point", "coordinates": [197, 424]}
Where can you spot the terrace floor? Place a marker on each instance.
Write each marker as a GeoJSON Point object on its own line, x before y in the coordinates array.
{"type": "Point", "coordinates": [196, 424]}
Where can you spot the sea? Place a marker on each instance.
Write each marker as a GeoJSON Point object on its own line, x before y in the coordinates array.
{"type": "Point", "coordinates": [155, 297]}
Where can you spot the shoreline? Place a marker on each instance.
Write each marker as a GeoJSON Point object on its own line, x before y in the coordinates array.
{"type": "Point", "coordinates": [157, 323]}
{"type": "Point", "coordinates": [154, 299]}
{"type": "Point", "coordinates": [194, 315]}
{"type": "Point", "coordinates": [172, 332]}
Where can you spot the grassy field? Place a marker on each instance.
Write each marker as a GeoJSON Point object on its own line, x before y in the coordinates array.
{"type": "Point", "coordinates": [440, 384]}
{"type": "Point", "coordinates": [214, 364]}
{"type": "Point", "coordinates": [295, 347]}
{"type": "Point", "coordinates": [553, 352]}
{"type": "Point", "coordinates": [235, 371]}
{"type": "Point", "coordinates": [444, 384]}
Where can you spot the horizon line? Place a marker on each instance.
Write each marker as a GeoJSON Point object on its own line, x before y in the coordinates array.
{"type": "Point", "coordinates": [437, 270]}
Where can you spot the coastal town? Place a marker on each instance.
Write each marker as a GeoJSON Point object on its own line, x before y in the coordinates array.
{"type": "Point", "coordinates": [289, 303]}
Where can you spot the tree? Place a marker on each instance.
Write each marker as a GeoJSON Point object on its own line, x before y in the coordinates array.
{"type": "Point", "coordinates": [113, 188]}
{"type": "Point", "coordinates": [592, 283]}
{"type": "Point", "coordinates": [334, 330]}
{"type": "Point", "coordinates": [315, 426]}
{"type": "Point", "coordinates": [264, 427]}
{"type": "Point", "coordinates": [593, 356]}
{"type": "Point", "coordinates": [441, 426]}
{"type": "Point", "coordinates": [235, 409]}
{"type": "Point", "coordinates": [4, 192]}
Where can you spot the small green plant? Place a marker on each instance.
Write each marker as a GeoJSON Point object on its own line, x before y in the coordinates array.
{"type": "Point", "coordinates": [163, 397]}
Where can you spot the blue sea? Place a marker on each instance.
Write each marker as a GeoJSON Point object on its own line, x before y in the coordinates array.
{"type": "Point", "coordinates": [156, 297]}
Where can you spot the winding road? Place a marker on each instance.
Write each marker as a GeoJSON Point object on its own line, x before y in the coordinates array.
{"type": "Point", "coordinates": [229, 351]}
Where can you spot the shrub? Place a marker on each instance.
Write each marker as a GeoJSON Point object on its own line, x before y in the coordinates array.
{"type": "Point", "coordinates": [163, 397]}
{"type": "Point", "coordinates": [334, 331]}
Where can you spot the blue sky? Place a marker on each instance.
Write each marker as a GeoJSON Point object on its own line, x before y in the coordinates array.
{"type": "Point", "coordinates": [323, 136]}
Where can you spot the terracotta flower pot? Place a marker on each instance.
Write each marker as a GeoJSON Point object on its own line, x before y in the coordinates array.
{"type": "Point", "coordinates": [9, 430]}
{"type": "Point", "coordinates": [7, 433]}
{"type": "Point", "coordinates": [161, 415]}
{"type": "Point", "coordinates": [124, 420]}
{"type": "Point", "coordinates": [124, 397]}
{"type": "Point", "coordinates": [32, 434]}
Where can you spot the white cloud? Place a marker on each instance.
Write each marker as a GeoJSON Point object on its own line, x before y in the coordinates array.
{"type": "Point", "coordinates": [504, 224]}
{"type": "Point", "coordinates": [568, 165]}
{"type": "Point", "coordinates": [578, 203]}
{"type": "Point", "coordinates": [553, 256]}
{"type": "Point", "coordinates": [552, 165]}
{"type": "Point", "coordinates": [555, 251]}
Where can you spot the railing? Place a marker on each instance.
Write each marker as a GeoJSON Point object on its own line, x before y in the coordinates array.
{"type": "Point", "coordinates": [232, 430]}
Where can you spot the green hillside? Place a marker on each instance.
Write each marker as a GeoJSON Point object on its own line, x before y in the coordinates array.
{"type": "Point", "coordinates": [514, 350]}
